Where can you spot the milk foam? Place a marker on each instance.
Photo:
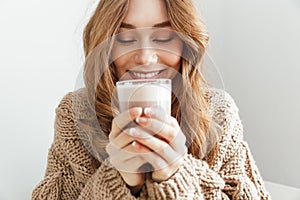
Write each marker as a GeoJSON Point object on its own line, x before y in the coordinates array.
{"type": "Point", "coordinates": [145, 93]}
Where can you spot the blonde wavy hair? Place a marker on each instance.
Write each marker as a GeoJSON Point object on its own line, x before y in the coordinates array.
{"type": "Point", "coordinates": [189, 106]}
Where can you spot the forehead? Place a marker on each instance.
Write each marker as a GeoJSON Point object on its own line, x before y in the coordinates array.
{"type": "Point", "coordinates": [146, 13]}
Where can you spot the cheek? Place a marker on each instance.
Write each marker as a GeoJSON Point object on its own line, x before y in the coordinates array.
{"type": "Point", "coordinates": [172, 56]}
{"type": "Point", "coordinates": [119, 60]}
{"type": "Point", "coordinates": [120, 64]}
{"type": "Point", "coordinates": [171, 60]}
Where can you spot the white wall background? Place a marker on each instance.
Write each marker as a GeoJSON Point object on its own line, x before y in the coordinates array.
{"type": "Point", "coordinates": [255, 45]}
{"type": "Point", "coordinates": [40, 57]}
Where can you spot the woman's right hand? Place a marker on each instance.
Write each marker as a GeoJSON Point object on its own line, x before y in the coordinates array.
{"type": "Point", "coordinates": [124, 152]}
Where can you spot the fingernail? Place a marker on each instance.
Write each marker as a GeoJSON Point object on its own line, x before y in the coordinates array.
{"type": "Point", "coordinates": [139, 110]}
{"type": "Point", "coordinates": [133, 132]}
{"type": "Point", "coordinates": [136, 111]}
{"type": "Point", "coordinates": [147, 111]}
{"type": "Point", "coordinates": [133, 143]}
{"type": "Point", "coordinates": [141, 120]}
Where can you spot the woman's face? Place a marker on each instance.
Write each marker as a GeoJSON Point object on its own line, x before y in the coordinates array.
{"type": "Point", "coordinates": [146, 46]}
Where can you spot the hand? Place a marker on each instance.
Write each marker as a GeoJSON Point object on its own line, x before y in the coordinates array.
{"type": "Point", "coordinates": [124, 152]}
{"type": "Point", "coordinates": [162, 134]}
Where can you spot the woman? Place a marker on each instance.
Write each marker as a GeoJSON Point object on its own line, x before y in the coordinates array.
{"type": "Point", "coordinates": [198, 154]}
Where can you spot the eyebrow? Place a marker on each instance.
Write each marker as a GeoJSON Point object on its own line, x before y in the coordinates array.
{"type": "Point", "coordinates": [159, 25]}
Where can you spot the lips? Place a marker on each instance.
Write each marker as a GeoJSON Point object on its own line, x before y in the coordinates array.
{"type": "Point", "coordinates": [145, 75]}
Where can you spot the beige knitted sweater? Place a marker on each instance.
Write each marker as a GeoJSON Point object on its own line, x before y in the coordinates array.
{"type": "Point", "coordinates": [73, 173]}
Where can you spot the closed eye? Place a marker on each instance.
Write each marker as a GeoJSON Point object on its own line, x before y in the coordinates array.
{"type": "Point", "coordinates": [125, 41]}
{"type": "Point", "coordinates": [163, 40]}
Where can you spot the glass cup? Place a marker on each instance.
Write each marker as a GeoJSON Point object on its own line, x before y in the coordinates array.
{"type": "Point", "coordinates": [145, 93]}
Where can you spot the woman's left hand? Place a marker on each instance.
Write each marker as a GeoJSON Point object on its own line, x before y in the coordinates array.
{"type": "Point", "coordinates": [161, 133]}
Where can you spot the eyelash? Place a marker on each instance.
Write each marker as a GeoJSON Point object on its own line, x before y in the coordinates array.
{"type": "Point", "coordinates": [125, 41]}
{"type": "Point", "coordinates": [165, 40]}
{"type": "Point", "coordinates": [156, 40]}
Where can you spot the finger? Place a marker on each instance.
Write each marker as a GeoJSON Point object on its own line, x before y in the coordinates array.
{"type": "Point", "coordinates": [171, 134]}
{"type": "Point", "coordinates": [165, 173]}
{"type": "Point", "coordinates": [120, 155]}
{"type": "Point", "coordinates": [157, 145]}
{"type": "Point", "coordinates": [114, 152]}
{"type": "Point", "coordinates": [123, 139]}
{"type": "Point", "coordinates": [131, 165]}
{"type": "Point", "coordinates": [156, 161]}
{"type": "Point", "coordinates": [126, 137]}
{"type": "Point", "coordinates": [161, 129]}
{"type": "Point", "coordinates": [159, 114]}
{"type": "Point", "coordinates": [179, 143]}
{"type": "Point", "coordinates": [123, 119]}
{"type": "Point", "coordinates": [137, 164]}
{"type": "Point", "coordinates": [117, 153]}
{"type": "Point", "coordinates": [129, 159]}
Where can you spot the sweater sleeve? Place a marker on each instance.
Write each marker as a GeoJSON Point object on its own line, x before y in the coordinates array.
{"type": "Point", "coordinates": [72, 173]}
{"type": "Point", "coordinates": [106, 183]}
{"type": "Point", "coordinates": [231, 174]}
{"type": "Point", "coordinates": [60, 181]}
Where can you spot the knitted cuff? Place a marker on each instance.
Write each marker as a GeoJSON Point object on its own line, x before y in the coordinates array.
{"type": "Point", "coordinates": [182, 185]}
{"type": "Point", "coordinates": [189, 181]}
{"type": "Point", "coordinates": [110, 185]}
{"type": "Point", "coordinates": [207, 177]}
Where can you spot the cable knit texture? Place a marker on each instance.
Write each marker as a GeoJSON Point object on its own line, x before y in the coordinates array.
{"type": "Point", "coordinates": [73, 172]}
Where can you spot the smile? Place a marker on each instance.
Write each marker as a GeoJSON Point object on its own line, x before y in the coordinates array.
{"type": "Point", "coordinates": [145, 75]}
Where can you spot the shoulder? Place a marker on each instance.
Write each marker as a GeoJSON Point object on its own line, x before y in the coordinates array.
{"type": "Point", "coordinates": [225, 113]}
{"type": "Point", "coordinates": [71, 108]}
{"type": "Point", "coordinates": [222, 106]}
{"type": "Point", "coordinates": [74, 98]}
{"type": "Point", "coordinates": [73, 105]}
{"type": "Point", "coordinates": [220, 100]}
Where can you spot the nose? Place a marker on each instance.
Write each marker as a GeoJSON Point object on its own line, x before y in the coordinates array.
{"type": "Point", "coordinates": [146, 56]}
